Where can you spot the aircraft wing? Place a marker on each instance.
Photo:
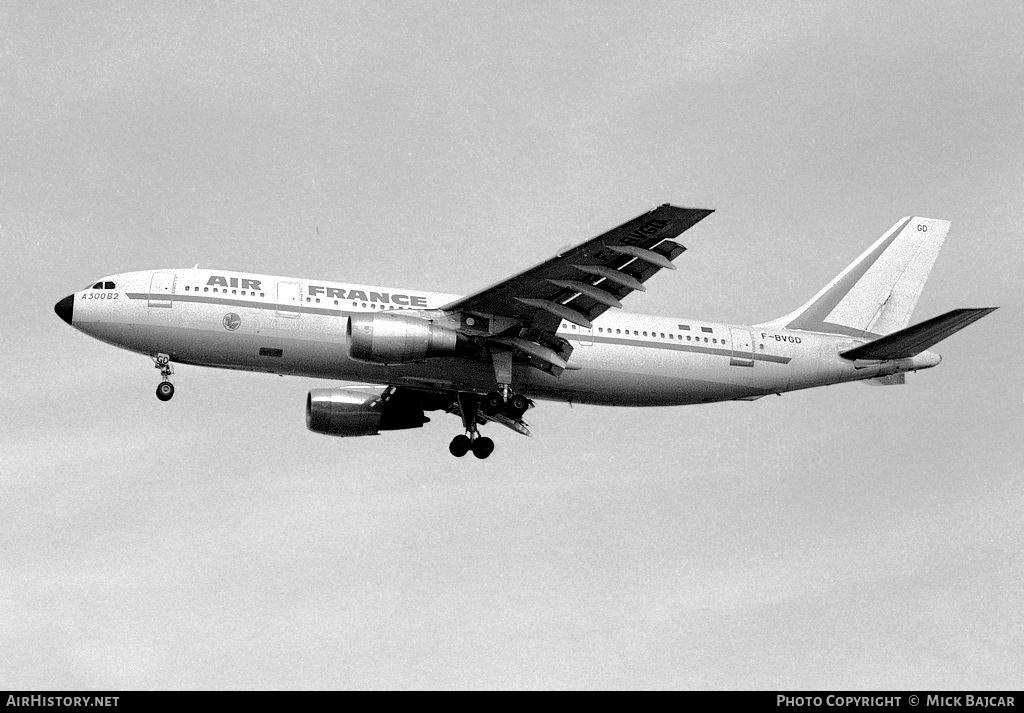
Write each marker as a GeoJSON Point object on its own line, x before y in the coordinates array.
{"type": "Point", "coordinates": [582, 282]}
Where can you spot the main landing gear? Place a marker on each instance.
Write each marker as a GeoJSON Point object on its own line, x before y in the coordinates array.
{"type": "Point", "coordinates": [482, 446]}
{"type": "Point", "coordinates": [513, 405]}
{"type": "Point", "coordinates": [165, 389]}
{"type": "Point", "coordinates": [507, 407]}
{"type": "Point", "coordinates": [503, 401]}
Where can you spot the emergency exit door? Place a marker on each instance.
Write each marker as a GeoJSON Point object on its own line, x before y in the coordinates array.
{"type": "Point", "coordinates": [289, 299]}
{"type": "Point", "coordinates": [161, 289]}
{"type": "Point", "coordinates": [742, 347]}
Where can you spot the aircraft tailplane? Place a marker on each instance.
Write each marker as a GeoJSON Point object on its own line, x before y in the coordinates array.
{"type": "Point", "coordinates": [912, 341]}
{"type": "Point", "coordinates": [876, 294]}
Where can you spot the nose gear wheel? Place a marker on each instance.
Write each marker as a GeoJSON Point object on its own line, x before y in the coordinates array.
{"type": "Point", "coordinates": [165, 389]}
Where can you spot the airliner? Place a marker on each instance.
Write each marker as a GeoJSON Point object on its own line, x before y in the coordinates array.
{"type": "Point", "coordinates": [553, 332]}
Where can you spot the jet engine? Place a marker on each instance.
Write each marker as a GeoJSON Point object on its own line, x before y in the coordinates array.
{"type": "Point", "coordinates": [362, 411]}
{"type": "Point", "coordinates": [397, 338]}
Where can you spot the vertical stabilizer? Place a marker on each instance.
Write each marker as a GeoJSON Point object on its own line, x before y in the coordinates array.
{"type": "Point", "coordinates": [876, 294]}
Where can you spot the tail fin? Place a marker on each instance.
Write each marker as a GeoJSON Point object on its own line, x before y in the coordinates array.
{"type": "Point", "coordinates": [877, 293]}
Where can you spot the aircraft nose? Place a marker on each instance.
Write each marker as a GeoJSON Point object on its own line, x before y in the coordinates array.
{"type": "Point", "coordinates": [65, 309]}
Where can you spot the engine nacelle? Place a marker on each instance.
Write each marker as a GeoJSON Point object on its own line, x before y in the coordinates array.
{"type": "Point", "coordinates": [397, 338]}
{"type": "Point", "coordinates": [361, 411]}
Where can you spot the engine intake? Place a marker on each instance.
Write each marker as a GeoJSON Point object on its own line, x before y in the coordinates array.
{"type": "Point", "coordinates": [397, 338]}
{"type": "Point", "coordinates": [359, 411]}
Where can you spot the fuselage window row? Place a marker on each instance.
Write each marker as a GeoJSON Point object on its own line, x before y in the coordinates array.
{"type": "Point", "coordinates": [659, 335]}
{"type": "Point", "coordinates": [246, 293]}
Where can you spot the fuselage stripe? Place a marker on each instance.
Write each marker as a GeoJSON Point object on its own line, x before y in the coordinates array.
{"type": "Point", "coordinates": [272, 306]}
{"type": "Point", "coordinates": [305, 309]}
{"type": "Point", "coordinates": [679, 348]}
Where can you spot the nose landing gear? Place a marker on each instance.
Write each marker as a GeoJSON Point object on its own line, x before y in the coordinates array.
{"type": "Point", "coordinates": [165, 389]}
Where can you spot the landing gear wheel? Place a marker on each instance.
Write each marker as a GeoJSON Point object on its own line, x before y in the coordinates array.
{"type": "Point", "coordinates": [492, 403]}
{"type": "Point", "coordinates": [483, 447]}
{"type": "Point", "coordinates": [165, 390]}
{"type": "Point", "coordinates": [460, 446]}
{"type": "Point", "coordinates": [517, 406]}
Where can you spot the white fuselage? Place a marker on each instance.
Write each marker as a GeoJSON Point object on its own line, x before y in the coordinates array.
{"type": "Point", "coordinates": [297, 326]}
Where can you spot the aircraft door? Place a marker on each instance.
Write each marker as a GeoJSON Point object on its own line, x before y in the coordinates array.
{"type": "Point", "coordinates": [587, 336]}
{"type": "Point", "coordinates": [161, 289]}
{"type": "Point", "coordinates": [289, 299]}
{"type": "Point", "coordinates": [742, 347]}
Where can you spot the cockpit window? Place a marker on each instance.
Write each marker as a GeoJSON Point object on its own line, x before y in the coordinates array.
{"type": "Point", "coordinates": [98, 286]}
{"type": "Point", "coordinates": [103, 286]}
{"type": "Point", "coordinates": [108, 285]}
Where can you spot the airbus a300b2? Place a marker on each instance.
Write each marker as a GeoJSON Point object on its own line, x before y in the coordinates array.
{"type": "Point", "coordinates": [555, 331]}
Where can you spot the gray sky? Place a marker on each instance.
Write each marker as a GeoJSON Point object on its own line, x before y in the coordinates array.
{"type": "Point", "coordinates": [844, 537]}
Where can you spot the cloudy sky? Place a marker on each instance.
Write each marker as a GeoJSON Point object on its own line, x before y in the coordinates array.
{"type": "Point", "coordinates": [845, 537]}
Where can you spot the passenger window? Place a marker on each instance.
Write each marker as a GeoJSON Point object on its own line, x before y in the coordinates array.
{"type": "Point", "coordinates": [618, 331]}
{"type": "Point", "coordinates": [206, 289]}
{"type": "Point", "coordinates": [662, 335]}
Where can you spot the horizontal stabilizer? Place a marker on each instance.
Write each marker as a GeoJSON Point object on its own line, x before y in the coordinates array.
{"type": "Point", "coordinates": [914, 340]}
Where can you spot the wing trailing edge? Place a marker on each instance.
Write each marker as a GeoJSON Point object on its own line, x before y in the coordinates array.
{"type": "Point", "coordinates": [913, 340]}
